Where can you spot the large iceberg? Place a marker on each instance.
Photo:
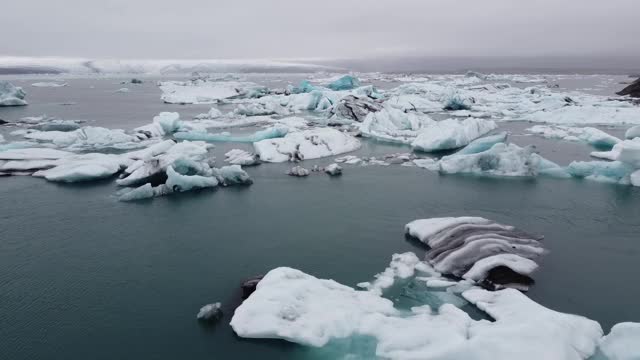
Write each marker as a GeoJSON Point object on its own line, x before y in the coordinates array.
{"type": "Point", "coordinates": [11, 95]}
{"type": "Point", "coordinates": [306, 144]}
{"type": "Point", "coordinates": [500, 160]}
{"type": "Point", "coordinates": [291, 305]}
{"type": "Point", "coordinates": [422, 132]}
{"type": "Point", "coordinates": [590, 135]}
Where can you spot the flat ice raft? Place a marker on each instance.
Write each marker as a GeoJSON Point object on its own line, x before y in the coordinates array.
{"type": "Point", "coordinates": [306, 144]}
{"type": "Point", "coordinates": [291, 305]}
{"type": "Point", "coordinates": [478, 249]}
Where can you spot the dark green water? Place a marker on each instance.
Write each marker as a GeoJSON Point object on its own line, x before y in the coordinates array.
{"type": "Point", "coordinates": [84, 276]}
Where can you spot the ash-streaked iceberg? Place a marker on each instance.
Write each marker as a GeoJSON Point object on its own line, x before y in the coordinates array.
{"type": "Point", "coordinates": [306, 144]}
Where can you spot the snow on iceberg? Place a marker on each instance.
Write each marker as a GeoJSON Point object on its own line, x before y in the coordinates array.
{"type": "Point", "coordinates": [483, 144]}
{"type": "Point", "coordinates": [592, 136]}
{"type": "Point", "coordinates": [291, 305]}
{"type": "Point", "coordinates": [306, 144]}
{"type": "Point", "coordinates": [87, 138]}
{"type": "Point", "coordinates": [11, 95]}
{"type": "Point", "coordinates": [33, 154]}
{"type": "Point", "coordinates": [632, 132]}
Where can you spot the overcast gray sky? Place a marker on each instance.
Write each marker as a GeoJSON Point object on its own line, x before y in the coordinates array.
{"type": "Point", "coordinates": [325, 28]}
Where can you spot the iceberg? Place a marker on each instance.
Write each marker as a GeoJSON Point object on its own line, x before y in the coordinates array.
{"type": "Point", "coordinates": [298, 171]}
{"type": "Point", "coordinates": [478, 249]}
{"type": "Point", "coordinates": [393, 125]}
{"type": "Point", "coordinates": [87, 138]}
{"type": "Point", "coordinates": [201, 91]}
{"type": "Point", "coordinates": [11, 95]}
{"type": "Point", "coordinates": [451, 134]}
{"type": "Point", "coordinates": [145, 191]}
{"type": "Point", "coordinates": [603, 171]}
{"type": "Point", "coordinates": [50, 84]}
{"type": "Point", "coordinates": [57, 125]}
{"type": "Point", "coordinates": [333, 169]}
{"type": "Point", "coordinates": [501, 160]}
{"type": "Point", "coordinates": [270, 133]}
{"type": "Point", "coordinates": [33, 154]}
{"type": "Point", "coordinates": [213, 113]}
{"type": "Point", "coordinates": [346, 82]}
{"type": "Point", "coordinates": [483, 144]}
{"type": "Point", "coordinates": [86, 167]}
{"type": "Point", "coordinates": [306, 144]}
{"type": "Point", "coordinates": [454, 102]}
{"type": "Point", "coordinates": [233, 175]}
{"type": "Point", "coordinates": [304, 87]}
{"type": "Point", "coordinates": [291, 305]}
{"type": "Point", "coordinates": [210, 312]}
{"type": "Point", "coordinates": [632, 132]}
{"type": "Point", "coordinates": [163, 124]}
{"type": "Point", "coordinates": [590, 135]}
{"type": "Point", "coordinates": [241, 157]}
{"type": "Point", "coordinates": [181, 183]}
{"type": "Point", "coordinates": [355, 108]}
{"type": "Point", "coordinates": [622, 342]}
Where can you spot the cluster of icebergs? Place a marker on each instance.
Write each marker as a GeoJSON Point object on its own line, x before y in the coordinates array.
{"type": "Point", "coordinates": [291, 305]}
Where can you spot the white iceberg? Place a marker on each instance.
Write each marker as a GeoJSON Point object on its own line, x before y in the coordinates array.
{"type": "Point", "coordinates": [241, 157]}
{"type": "Point", "coordinates": [86, 167]}
{"type": "Point", "coordinates": [210, 312]}
{"type": "Point", "coordinates": [49, 84]}
{"type": "Point", "coordinates": [632, 132]}
{"type": "Point", "coordinates": [87, 138]}
{"type": "Point", "coordinates": [270, 133]}
{"type": "Point", "coordinates": [501, 160]}
{"type": "Point", "coordinates": [33, 154]}
{"type": "Point", "coordinates": [233, 175]}
{"type": "Point", "coordinates": [11, 95]}
{"type": "Point", "coordinates": [213, 113]}
{"type": "Point", "coordinates": [622, 342]}
{"type": "Point", "coordinates": [291, 305]}
{"type": "Point", "coordinates": [306, 144]}
{"type": "Point", "coordinates": [333, 169]}
{"type": "Point", "coordinates": [163, 124]}
{"type": "Point", "coordinates": [298, 171]}
{"type": "Point", "coordinates": [590, 135]}
{"type": "Point", "coordinates": [451, 134]}
{"type": "Point", "coordinates": [201, 91]}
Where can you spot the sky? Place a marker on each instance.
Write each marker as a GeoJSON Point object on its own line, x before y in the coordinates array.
{"type": "Point", "coordinates": [299, 29]}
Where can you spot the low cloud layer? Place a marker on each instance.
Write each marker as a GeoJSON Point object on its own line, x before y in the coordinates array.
{"type": "Point", "coordinates": [327, 29]}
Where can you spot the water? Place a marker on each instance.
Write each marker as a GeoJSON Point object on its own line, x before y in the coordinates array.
{"type": "Point", "coordinates": [85, 276]}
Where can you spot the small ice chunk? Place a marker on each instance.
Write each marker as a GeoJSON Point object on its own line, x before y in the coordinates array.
{"type": "Point", "coordinates": [210, 312]}
{"type": "Point", "coordinates": [298, 171]}
{"type": "Point", "coordinates": [333, 169]}
{"type": "Point", "coordinates": [213, 113]}
{"type": "Point", "coordinates": [234, 175]}
{"type": "Point", "coordinates": [33, 154]}
{"type": "Point", "coordinates": [163, 124]}
{"type": "Point", "coordinates": [122, 90]}
{"type": "Point", "coordinates": [602, 171]}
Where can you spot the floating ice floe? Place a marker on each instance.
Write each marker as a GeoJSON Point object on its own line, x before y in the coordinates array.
{"type": "Point", "coordinates": [500, 160]}
{"type": "Point", "coordinates": [623, 169]}
{"type": "Point", "coordinates": [298, 171]}
{"type": "Point", "coordinates": [86, 167]}
{"type": "Point", "coordinates": [87, 138]}
{"type": "Point", "coordinates": [11, 95]}
{"type": "Point", "coordinates": [478, 249]}
{"type": "Point", "coordinates": [291, 305]}
{"type": "Point", "coordinates": [210, 312]}
{"type": "Point", "coordinates": [270, 133]}
{"type": "Point", "coordinates": [165, 123]}
{"type": "Point", "coordinates": [421, 132]}
{"type": "Point", "coordinates": [57, 125]}
{"type": "Point", "coordinates": [241, 157]}
{"type": "Point", "coordinates": [483, 144]}
{"type": "Point", "coordinates": [333, 169]}
{"type": "Point", "coordinates": [50, 84]}
{"type": "Point", "coordinates": [306, 144]}
{"type": "Point", "coordinates": [202, 91]}
{"type": "Point", "coordinates": [590, 135]}
{"type": "Point", "coordinates": [213, 113]}
{"type": "Point", "coordinates": [122, 90]}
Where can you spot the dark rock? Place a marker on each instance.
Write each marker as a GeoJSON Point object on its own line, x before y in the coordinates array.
{"type": "Point", "coordinates": [632, 90]}
{"type": "Point", "coordinates": [249, 286]}
{"type": "Point", "coordinates": [2, 122]}
{"type": "Point", "coordinates": [136, 81]}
